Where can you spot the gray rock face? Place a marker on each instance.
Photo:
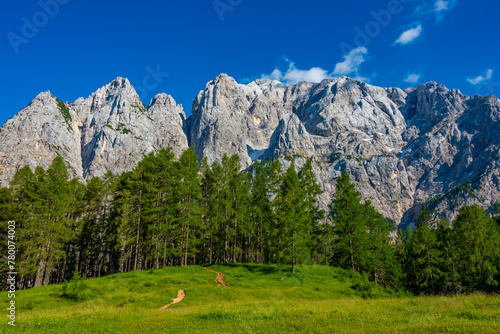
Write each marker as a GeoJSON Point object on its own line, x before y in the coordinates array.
{"type": "Point", "coordinates": [109, 130]}
{"type": "Point", "coordinates": [289, 138]}
{"type": "Point", "coordinates": [37, 134]}
{"type": "Point", "coordinates": [402, 148]}
{"type": "Point", "coordinates": [231, 118]}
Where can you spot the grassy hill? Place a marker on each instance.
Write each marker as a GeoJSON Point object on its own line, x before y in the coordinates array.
{"type": "Point", "coordinates": [261, 299]}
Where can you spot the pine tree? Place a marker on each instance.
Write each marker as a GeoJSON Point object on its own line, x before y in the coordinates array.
{"type": "Point", "coordinates": [261, 213]}
{"type": "Point", "coordinates": [7, 214]}
{"type": "Point", "coordinates": [476, 241]}
{"type": "Point", "coordinates": [136, 185]}
{"type": "Point", "coordinates": [239, 189]}
{"type": "Point", "coordinates": [167, 187]}
{"type": "Point", "coordinates": [348, 226]}
{"type": "Point", "coordinates": [424, 255]}
{"type": "Point", "coordinates": [381, 264]}
{"type": "Point", "coordinates": [313, 214]}
{"type": "Point", "coordinates": [22, 188]}
{"type": "Point", "coordinates": [295, 226]}
{"type": "Point", "coordinates": [275, 184]}
{"type": "Point", "coordinates": [98, 239]}
{"type": "Point", "coordinates": [124, 217]}
{"type": "Point", "coordinates": [51, 229]}
{"type": "Point", "coordinates": [208, 228]}
{"type": "Point", "coordinates": [450, 281]}
{"type": "Point", "coordinates": [190, 203]}
{"type": "Point", "coordinates": [216, 213]}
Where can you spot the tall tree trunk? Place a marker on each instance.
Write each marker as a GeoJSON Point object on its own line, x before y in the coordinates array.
{"type": "Point", "coordinates": [40, 273]}
{"type": "Point", "coordinates": [137, 242]}
{"type": "Point", "coordinates": [351, 251]}
{"type": "Point", "coordinates": [429, 264]}
{"type": "Point", "coordinates": [186, 248]}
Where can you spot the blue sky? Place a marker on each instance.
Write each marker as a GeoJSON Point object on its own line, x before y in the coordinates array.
{"type": "Point", "coordinates": [73, 47]}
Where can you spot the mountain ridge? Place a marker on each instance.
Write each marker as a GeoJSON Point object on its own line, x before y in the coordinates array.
{"type": "Point", "coordinates": [401, 147]}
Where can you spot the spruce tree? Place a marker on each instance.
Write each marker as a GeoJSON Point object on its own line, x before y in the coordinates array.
{"type": "Point", "coordinates": [425, 256]}
{"type": "Point", "coordinates": [189, 206]}
{"type": "Point", "coordinates": [275, 183]}
{"type": "Point", "coordinates": [381, 264]}
{"type": "Point", "coordinates": [348, 226]}
{"type": "Point", "coordinates": [476, 241]}
{"type": "Point", "coordinates": [313, 214]}
{"type": "Point", "coordinates": [450, 281]}
{"type": "Point", "coordinates": [24, 197]}
{"type": "Point", "coordinates": [261, 213]}
{"type": "Point", "coordinates": [167, 188]}
{"type": "Point", "coordinates": [295, 226]}
{"type": "Point", "coordinates": [51, 230]}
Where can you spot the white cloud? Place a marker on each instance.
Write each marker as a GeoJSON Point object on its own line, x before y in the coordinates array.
{"type": "Point", "coordinates": [412, 78]}
{"type": "Point", "coordinates": [294, 75]}
{"type": "Point", "coordinates": [441, 5]}
{"type": "Point", "coordinates": [352, 62]}
{"type": "Point", "coordinates": [288, 73]}
{"type": "Point", "coordinates": [409, 35]}
{"type": "Point", "coordinates": [481, 78]}
{"type": "Point", "coordinates": [436, 8]}
{"type": "Point", "coordinates": [315, 74]}
{"type": "Point", "coordinates": [275, 75]}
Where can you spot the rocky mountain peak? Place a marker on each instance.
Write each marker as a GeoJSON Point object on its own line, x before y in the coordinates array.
{"type": "Point", "coordinates": [44, 98]}
{"type": "Point", "coordinates": [109, 130]}
{"type": "Point", "coordinates": [402, 148]}
{"type": "Point", "coordinates": [163, 99]}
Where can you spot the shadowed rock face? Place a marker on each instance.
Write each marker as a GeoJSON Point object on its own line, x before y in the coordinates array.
{"type": "Point", "coordinates": [402, 148]}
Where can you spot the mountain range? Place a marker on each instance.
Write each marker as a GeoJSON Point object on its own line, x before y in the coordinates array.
{"type": "Point", "coordinates": [402, 148]}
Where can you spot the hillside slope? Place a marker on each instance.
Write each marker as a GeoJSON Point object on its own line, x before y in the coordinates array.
{"type": "Point", "coordinates": [261, 299]}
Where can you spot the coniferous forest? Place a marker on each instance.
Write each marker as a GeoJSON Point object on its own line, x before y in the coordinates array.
{"type": "Point", "coordinates": [178, 212]}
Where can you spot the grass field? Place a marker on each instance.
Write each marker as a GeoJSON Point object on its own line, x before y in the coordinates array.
{"type": "Point", "coordinates": [316, 299]}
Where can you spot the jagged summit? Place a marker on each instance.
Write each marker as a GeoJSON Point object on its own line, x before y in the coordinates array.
{"type": "Point", "coordinates": [401, 147]}
{"type": "Point", "coordinates": [109, 130]}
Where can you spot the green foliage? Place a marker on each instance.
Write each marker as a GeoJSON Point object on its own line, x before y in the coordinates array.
{"type": "Point", "coordinates": [494, 209]}
{"type": "Point", "coordinates": [292, 221]}
{"type": "Point", "coordinates": [478, 256]}
{"type": "Point", "coordinates": [171, 211]}
{"type": "Point", "coordinates": [74, 289]}
{"type": "Point", "coordinates": [139, 107]}
{"type": "Point", "coordinates": [452, 195]}
{"type": "Point", "coordinates": [348, 225]}
{"type": "Point", "coordinates": [317, 299]}
{"type": "Point", "coordinates": [361, 237]}
{"type": "Point", "coordinates": [121, 128]}
{"type": "Point", "coordinates": [65, 113]}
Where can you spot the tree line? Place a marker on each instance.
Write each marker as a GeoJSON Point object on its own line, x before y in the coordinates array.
{"type": "Point", "coordinates": [178, 212]}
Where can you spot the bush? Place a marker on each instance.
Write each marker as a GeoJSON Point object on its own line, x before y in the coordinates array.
{"type": "Point", "coordinates": [74, 289]}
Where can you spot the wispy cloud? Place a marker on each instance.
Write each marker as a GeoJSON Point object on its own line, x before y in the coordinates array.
{"type": "Point", "coordinates": [441, 5]}
{"type": "Point", "coordinates": [409, 35]}
{"type": "Point", "coordinates": [412, 78]}
{"type": "Point", "coordinates": [481, 78]}
{"type": "Point", "coordinates": [352, 62]}
{"type": "Point", "coordinates": [288, 73]}
{"type": "Point", "coordinates": [425, 11]}
{"type": "Point", "coordinates": [435, 8]}
{"type": "Point", "coordinates": [293, 75]}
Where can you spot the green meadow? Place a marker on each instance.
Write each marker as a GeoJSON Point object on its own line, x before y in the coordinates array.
{"type": "Point", "coordinates": [260, 299]}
